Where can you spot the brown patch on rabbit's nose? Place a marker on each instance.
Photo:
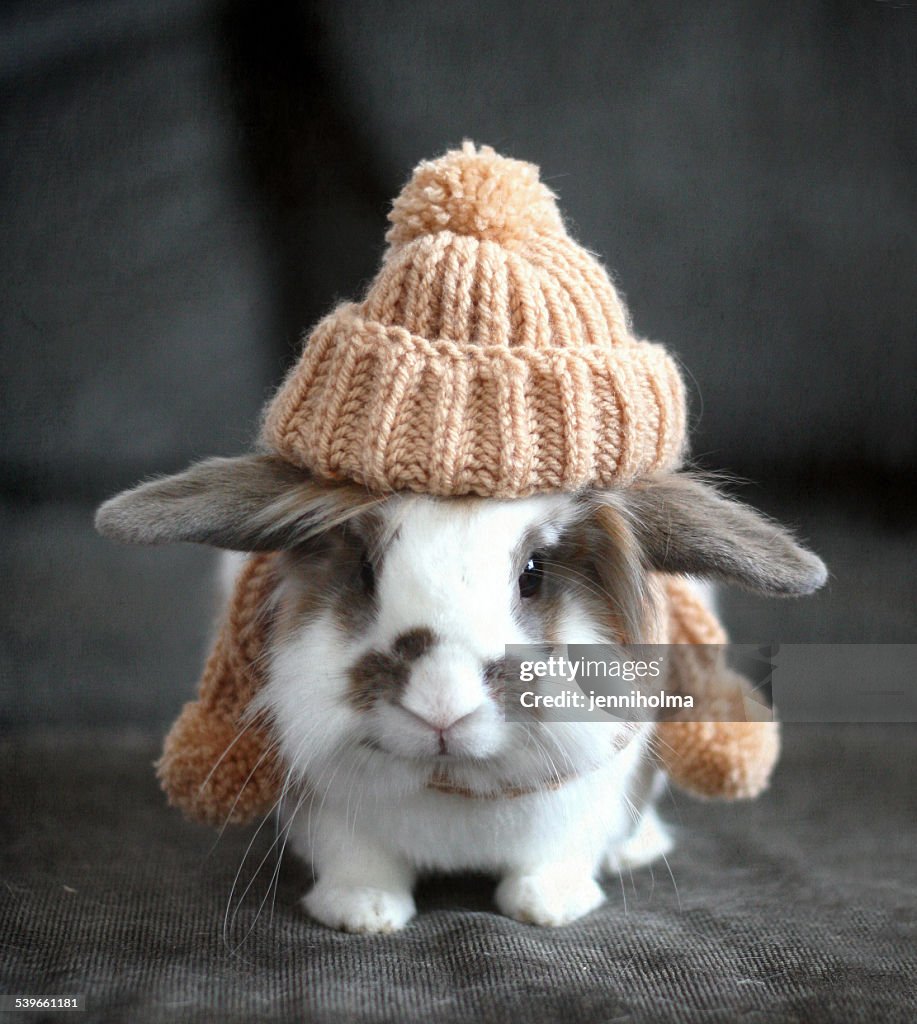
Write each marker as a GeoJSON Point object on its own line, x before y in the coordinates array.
{"type": "Point", "coordinates": [503, 686]}
{"type": "Point", "coordinates": [414, 643]}
{"type": "Point", "coordinates": [375, 674]}
{"type": "Point", "coordinates": [381, 673]}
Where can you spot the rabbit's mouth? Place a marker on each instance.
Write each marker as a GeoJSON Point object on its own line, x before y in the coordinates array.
{"type": "Point", "coordinates": [441, 758]}
{"type": "Point", "coordinates": [446, 775]}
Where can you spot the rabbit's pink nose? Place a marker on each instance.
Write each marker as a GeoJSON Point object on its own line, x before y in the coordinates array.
{"type": "Point", "coordinates": [440, 725]}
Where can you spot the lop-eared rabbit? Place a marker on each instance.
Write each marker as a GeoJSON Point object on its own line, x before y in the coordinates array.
{"type": "Point", "coordinates": [386, 669]}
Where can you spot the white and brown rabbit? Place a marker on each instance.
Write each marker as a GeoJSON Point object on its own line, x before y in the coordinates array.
{"type": "Point", "coordinates": [386, 669]}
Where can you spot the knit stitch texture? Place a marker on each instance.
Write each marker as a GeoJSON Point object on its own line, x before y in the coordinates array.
{"type": "Point", "coordinates": [491, 354]}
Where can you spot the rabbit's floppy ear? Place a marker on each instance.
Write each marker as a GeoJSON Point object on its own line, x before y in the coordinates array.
{"type": "Point", "coordinates": [249, 503]}
{"type": "Point", "coordinates": [685, 526]}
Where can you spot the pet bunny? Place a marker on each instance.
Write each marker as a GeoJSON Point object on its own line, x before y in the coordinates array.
{"type": "Point", "coordinates": [383, 677]}
{"type": "Point", "coordinates": [419, 504]}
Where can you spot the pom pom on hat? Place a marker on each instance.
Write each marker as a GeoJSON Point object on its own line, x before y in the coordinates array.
{"type": "Point", "coordinates": [474, 192]}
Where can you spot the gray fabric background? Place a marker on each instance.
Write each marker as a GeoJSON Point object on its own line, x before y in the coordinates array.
{"type": "Point", "coordinates": [186, 185]}
{"type": "Point", "coordinates": [796, 908]}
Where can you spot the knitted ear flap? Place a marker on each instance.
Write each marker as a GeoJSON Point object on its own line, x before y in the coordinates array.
{"type": "Point", "coordinates": [218, 764]}
{"type": "Point", "coordinates": [722, 752]}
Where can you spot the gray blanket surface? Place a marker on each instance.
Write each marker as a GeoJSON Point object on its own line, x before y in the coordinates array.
{"type": "Point", "coordinates": [799, 907]}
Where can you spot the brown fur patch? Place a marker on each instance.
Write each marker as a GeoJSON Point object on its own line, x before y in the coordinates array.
{"type": "Point", "coordinates": [384, 674]}
{"type": "Point", "coordinates": [495, 678]}
{"type": "Point", "coordinates": [597, 561]}
{"type": "Point", "coordinates": [501, 676]}
{"type": "Point", "coordinates": [324, 575]}
{"type": "Point", "coordinates": [614, 554]}
{"type": "Point", "coordinates": [376, 674]}
{"type": "Point", "coordinates": [414, 643]}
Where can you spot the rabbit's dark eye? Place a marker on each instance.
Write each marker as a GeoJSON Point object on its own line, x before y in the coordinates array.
{"type": "Point", "coordinates": [367, 574]}
{"type": "Point", "coordinates": [531, 577]}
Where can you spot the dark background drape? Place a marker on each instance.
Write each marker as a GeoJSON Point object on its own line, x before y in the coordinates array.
{"type": "Point", "coordinates": [187, 186]}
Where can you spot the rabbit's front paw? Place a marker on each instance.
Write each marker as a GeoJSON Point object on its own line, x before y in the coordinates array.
{"type": "Point", "coordinates": [549, 897]}
{"type": "Point", "coordinates": [360, 909]}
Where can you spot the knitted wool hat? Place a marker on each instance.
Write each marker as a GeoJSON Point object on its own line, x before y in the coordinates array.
{"type": "Point", "coordinates": [491, 354]}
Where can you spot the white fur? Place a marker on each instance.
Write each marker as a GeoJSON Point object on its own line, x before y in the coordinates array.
{"type": "Point", "coordinates": [359, 808]}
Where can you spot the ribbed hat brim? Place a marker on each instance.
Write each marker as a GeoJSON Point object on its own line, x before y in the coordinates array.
{"type": "Point", "coordinates": [375, 404]}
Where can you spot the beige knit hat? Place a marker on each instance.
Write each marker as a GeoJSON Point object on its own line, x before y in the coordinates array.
{"type": "Point", "coordinates": [491, 354]}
